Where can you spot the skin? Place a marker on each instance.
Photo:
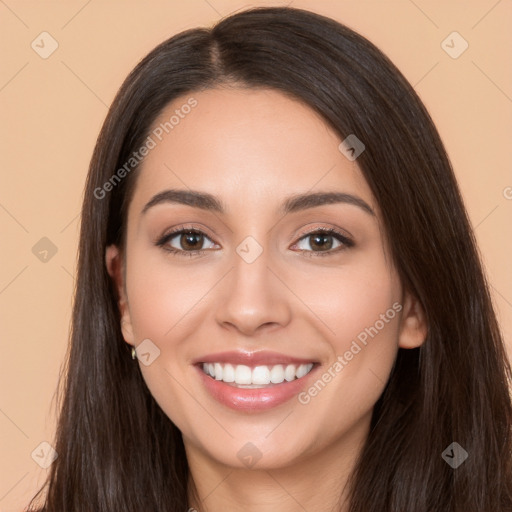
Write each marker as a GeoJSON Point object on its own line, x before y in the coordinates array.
{"type": "Point", "coordinates": [252, 149]}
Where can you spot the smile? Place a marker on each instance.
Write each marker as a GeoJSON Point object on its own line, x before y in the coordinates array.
{"type": "Point", "coordinates": [252, 383]}
{"type": "Point", "coordinates": [256, 377]}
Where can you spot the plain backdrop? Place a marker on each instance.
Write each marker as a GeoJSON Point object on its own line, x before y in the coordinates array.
{"type": "Point", "coordinates": [53, 104]}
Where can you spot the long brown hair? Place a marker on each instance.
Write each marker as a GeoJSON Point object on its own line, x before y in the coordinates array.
{"type": "Point", "coordinates": [118, 451]}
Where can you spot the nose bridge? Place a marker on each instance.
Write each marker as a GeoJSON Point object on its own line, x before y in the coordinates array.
{"type": "Point", "coordinates": [253, 295]}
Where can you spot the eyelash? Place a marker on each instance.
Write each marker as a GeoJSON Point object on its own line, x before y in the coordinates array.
{"type": "Point", "coordinates": [347, 242]}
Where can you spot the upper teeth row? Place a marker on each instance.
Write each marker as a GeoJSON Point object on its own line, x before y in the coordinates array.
{"type": "Point", "coordinates": [242, 374]}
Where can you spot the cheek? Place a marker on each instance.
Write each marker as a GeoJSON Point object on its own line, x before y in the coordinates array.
{"type": "Point", "coordinates": [352, 302]}
{"type": "Point", "coordinates": [359, 312]}
{"type": "Point", "coordinates": [165, 307]}
{"type": "Point", "coordinates": [161, 295]}
{"type": "Point", "coordinates": [365, 312]}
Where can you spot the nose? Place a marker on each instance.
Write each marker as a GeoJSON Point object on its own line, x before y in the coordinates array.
{"type": "Point", "coordinates": [253, 297]}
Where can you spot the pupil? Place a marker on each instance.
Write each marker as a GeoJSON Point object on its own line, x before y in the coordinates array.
{"type": "Point", "coordinates": [321, 244]}
{"type": "Point", "coordinates": [186, 237]}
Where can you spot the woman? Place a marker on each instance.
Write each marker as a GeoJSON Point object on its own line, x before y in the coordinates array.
{"type": "Point", "coordinates": [239, 167]}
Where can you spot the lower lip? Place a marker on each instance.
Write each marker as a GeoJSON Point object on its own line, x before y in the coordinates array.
{"type": "Point", "coordinates": [255, 399]}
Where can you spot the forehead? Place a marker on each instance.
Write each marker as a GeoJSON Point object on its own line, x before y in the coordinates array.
{"type": "Point", "coordinates": [248, 146]}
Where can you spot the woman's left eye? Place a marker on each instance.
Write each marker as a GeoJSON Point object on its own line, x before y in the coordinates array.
{"type": "Point", "coordinates": [322, 238]}
{"type": "Point", "coordinates": [190, 242]}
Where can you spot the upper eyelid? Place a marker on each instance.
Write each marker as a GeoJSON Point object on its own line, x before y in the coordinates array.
{"type": "Point", "coordinates": [183, 229]}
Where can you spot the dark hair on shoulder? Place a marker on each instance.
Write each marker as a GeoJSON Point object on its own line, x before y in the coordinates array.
{"type": "Point", "coordinates": [118, 451]}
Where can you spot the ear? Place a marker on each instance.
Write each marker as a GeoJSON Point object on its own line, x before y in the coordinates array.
{"type": "Point", "coordinates": [114, 263]}
{"type": "Point", "coordinates": [413, 323]}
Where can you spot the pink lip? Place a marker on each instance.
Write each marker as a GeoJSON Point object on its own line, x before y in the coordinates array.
{"type": "Point", "coordinates": [254, 400]}
{"type": "Point", "coordinates": [263, 357]}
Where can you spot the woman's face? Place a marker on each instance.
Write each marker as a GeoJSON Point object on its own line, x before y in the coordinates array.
{"type": "Point", "coordinates": [259, 292]}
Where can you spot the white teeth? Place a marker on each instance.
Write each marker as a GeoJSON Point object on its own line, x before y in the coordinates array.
{"type": "Point", "coordinates": [261, 375]}
{"type": "Point", "coordinates": [243, 374]}
{"type": "Point", "coordinates": [218, 371]}
{"type": "Point", "coordinates": [277, 374]}
{"type": "Point", "coordinates": [258, 376]}
{"type": "Point", "coordinates": [301, 371]}
{"type": "Point", "coordinates": [289, 373]}
{"type": "Point", "coordinates": [228, 373]}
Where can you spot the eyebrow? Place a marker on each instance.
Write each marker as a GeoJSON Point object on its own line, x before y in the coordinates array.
{"type": "Point", "coordinates": [292, 204]}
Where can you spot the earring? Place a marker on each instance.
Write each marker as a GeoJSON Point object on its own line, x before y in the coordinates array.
{"type": "Point", "coordinates": [134, 354]}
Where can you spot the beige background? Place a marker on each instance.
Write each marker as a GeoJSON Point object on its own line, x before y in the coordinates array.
{"type": "Point", "coordinates": [52, 110]}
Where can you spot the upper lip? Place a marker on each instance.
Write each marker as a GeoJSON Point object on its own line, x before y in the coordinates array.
{"type": "Point", "coordinates": [263, 357]}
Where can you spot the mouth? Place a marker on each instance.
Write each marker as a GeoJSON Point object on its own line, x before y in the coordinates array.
{"type": "Point", "coordinates": [255, 387]}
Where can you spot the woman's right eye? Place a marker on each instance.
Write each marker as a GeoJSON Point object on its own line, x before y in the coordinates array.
{"type": "Point", "coordinates": [183, 242]}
